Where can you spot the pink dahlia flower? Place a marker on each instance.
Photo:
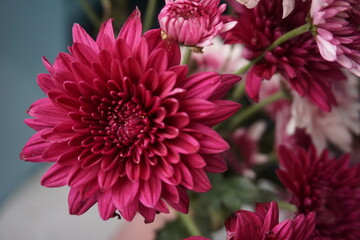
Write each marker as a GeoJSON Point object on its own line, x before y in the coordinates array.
{"type": "Point", "coordinates": [327, 186]}
{"type": "Point", "coordinates": [297, 60]}
{"type": "Point", "coordinates": [337, 126]}
{"type": "Point", "coordinates": [219, 58]}
{"type": "Point", "coordinates": [263, 224]}
{"type": "Point", "coordinates": [124, 125]}
{"type": "Point", "coordinates": [337, 31]}
{"type": "Point", "coordinates": [193, 22]}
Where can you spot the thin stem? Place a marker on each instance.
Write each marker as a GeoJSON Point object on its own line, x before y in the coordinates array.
{"type": "Point", "coordinates": [239, 91]}
{"type": "Point", "coordinates": [149, 15]}
{"type": "Point", "coordinates": [190, 224]}
{"type": "Point", "coordinates": [187, 56]}
{"type": "Point", "coordinates": [245, 68]}
{"type": "Point", "coordinates": [248, 112]}
{"type": "Point", "coordinates": [287, 206]}
{"type": "Point", "coordinates": [291, 34]}
{"type": "Point", "coordinates": [90, 13]}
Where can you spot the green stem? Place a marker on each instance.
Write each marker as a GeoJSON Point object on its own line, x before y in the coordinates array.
{"type": "Point", "coordinates": [90, 13]}
{"type": "Point", "coordinates": [149, 15]}
{"type": "Point", "coordinates": [287, 206]}
{"type": "Point", "coordinates": [248, 112]}
{"type": "Point", "coordinates": [190, 224]}
{"type": "Point", "coordinates": [187, 56]}
{"type": "Point", "coordinates": [291, 34]}
{"type": "Point", "coordinates": [239, 91]}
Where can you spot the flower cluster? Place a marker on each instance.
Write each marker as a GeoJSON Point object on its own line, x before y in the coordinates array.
{"type": "Point", "coordinates": [326, 186]}
{"type": "Point", "coordinates": [133, 122]}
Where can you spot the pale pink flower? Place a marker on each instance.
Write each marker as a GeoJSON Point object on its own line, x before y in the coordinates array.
{"type": "Point", "coordinates": [193, 22]}
{"type": "Point", "coordinates": [249, 3]}
{"type": "Point", "coordinates": [288, 5]}
{"type": "Point", "coordinates": [280, 112]}
{"type": "Point", "coordinates": [125, 126]}
{"type": "Point", "coordinates": [337, 31]}
{"type": "Point", "coordinates": [219, 58]}
{"type": "Point", "coordinates": [336, 126]}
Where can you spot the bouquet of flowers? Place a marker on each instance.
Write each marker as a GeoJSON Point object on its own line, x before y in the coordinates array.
{"type": "Point", "coordinates": [180, 118]}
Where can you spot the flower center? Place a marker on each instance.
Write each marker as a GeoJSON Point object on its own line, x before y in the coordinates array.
{"type": "Point", "coordinates": [187, 10]}
{"type": "Point", "coordinates": [127, 122]}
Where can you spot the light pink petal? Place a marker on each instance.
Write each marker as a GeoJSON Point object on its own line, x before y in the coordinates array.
{"type": "Point", "coordinates": [249, 3]}
{"type": "Point", "coordinates": [327, 50]}
{"type": "Point", "coordinates": [288, 7]}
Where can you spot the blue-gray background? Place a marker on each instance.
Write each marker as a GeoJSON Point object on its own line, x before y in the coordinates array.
{"type": "Point", "coordinates": [28, 31]}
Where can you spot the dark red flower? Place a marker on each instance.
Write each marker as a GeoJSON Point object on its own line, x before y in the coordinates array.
{"type": "Point", "coordinates": [263, 224]}
{"type": "Point", "coordinates": [327, 186]}
{"type": "Point", "coordinates": [124, 125]}
{"type": "Point", "coordinates": [298, 60]}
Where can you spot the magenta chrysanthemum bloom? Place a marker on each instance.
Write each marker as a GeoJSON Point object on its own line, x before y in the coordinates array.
{"type": "Point", "coordinates": [327, 186]}
{"type": "Point", "coordinates": [263, 224]}
{"type": "Point", "coordinates": [124, 125]}
{"type": "Point", "coordinates": [298, 60]}
{"type": "Point", "coordinates": [337, 31]}
{"type": "Point", "coordinates": [193, 22]}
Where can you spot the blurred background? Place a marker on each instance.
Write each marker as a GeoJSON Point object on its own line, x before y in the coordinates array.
{"type": "Point", "coordinates": [28, 31]}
